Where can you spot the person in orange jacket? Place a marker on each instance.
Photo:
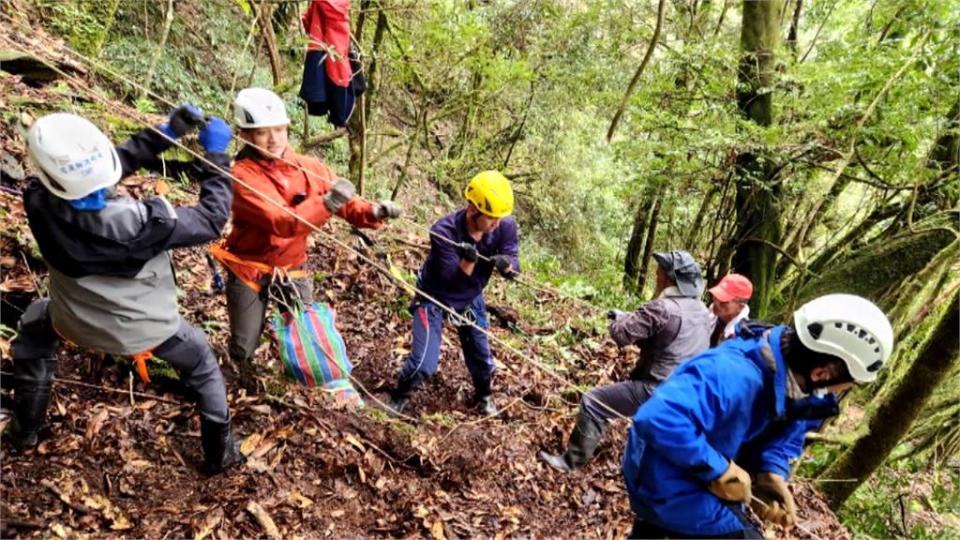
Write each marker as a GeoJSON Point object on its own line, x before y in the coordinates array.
{"type": "Point", "coordinates": [266, 239]}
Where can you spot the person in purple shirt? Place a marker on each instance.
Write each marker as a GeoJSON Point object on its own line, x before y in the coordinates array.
{"type": "Point", "coordinates": [466, 246]}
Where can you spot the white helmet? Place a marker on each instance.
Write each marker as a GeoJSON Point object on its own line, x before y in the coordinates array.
{"type": "Point", "coordinates": [259, 107]}
{"type": "Point", "coordinates": [73, 156]}
{"type": "Point", "coordinates": [848, 327]}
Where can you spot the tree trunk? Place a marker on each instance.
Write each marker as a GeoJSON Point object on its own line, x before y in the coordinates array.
{"type": "Point", "coordinates": [167, 23]}
{"type": "Point", "coordinates": [635, 247]}
{"type": "Point", "coordinates": [266, 24]}
{"type": "Point", "coordinates": [758, 213]}
{"type": "Point", "coordinates": [648, 247]}
{"type": "Point", "coordinates": [639, 72]}
{"type": "Point", "coordinates": [357, 125]}
{"type": "Point", "coordinates": [693, 235]}
{"type": "Point", "coordinates": [373, 74]}
{"type": "Point", "coordinates": [111, 18]}
{"type": "Point", "coordinates": [794, 27]}
{"type": "Point", "coordinates": [882, 264]}
{"type": "Point", "coordinates": [899, 407]}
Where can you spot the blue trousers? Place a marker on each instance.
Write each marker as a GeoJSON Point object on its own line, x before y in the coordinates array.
{"type": "Point", "coordinates": [425, 353]}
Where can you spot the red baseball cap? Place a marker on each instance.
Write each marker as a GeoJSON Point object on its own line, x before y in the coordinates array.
{"type": "Point", "coordinates": [732, 287]}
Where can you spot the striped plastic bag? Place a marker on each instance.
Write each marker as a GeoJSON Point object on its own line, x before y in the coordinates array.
{"type": "Point", "coordinates": [313, 351]}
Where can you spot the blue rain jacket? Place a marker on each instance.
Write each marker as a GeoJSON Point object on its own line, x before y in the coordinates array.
{"type": "Point", "coordinates": [727, 403]}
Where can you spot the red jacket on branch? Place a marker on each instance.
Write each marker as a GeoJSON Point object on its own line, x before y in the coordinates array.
{"type": "Point", "coordinates": [327, 23]}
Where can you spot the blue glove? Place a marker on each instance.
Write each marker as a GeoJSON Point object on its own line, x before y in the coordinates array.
{"type": "Point", "coordinates": [215, 136]}
{"type": "Point", "coordinates": [182, 120]}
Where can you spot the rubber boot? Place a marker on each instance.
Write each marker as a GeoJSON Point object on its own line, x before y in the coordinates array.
{"type": "Point", "coordinates": [583, 443]}
{"type": "Point", "coordinates": [483, 397]}
{"type": "Point", "coordinates": [396, 405]}
{"type": "Point", "coordinates": [220, 450]}
{"type": "Point", "coordinates": [399, 397]}
{"type": "Point", "coordinates": [247, 375]}
{"type": "Point", "coordinates": [29, 412]}
{"type": "Point", "coordinates": [486, 406]}
{"type": "Point", "coordinates": [31, 396]}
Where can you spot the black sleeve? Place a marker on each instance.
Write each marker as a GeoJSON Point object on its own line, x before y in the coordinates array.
{"type": "Point", "coordinates": [200, 224]}
{"type": "Point", "coordinates": [141, 150]}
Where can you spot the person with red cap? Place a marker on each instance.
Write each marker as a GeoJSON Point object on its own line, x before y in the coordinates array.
{"type": "Point", "coordinates": [730, 298]}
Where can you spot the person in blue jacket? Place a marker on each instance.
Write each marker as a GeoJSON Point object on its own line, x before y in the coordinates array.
{"type": "Point", "coordinates": [743, 409]}
{"type": "Point", "coordinates": [466, 247]}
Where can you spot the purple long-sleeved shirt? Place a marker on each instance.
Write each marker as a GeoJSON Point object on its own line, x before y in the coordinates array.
{"type": "Point", "coordinates": [441, 276]}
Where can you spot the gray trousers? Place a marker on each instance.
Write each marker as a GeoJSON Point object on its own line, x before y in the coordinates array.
{"type": "Point", "coordinates": [623, 397]}
{"type": "Point", "coordinates": [247, 310]}
{"type": "Point", "coordinates": [187, 351]}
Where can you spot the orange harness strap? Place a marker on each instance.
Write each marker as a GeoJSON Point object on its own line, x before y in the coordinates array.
{"type": "Point", "coordinates": [140, 360]}
{"type": "Point", "coordinates": [226, 258]}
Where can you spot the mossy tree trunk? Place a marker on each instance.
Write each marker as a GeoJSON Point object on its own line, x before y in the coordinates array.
{"type": "Point", "coordinates": [897, 408]}
{"type": "Point", "coordinates": [357, 124]}
{"type": "Point", "coordinates": [880, 265]}
{"type": "Point", "coordinates": [640, 245]}
{"type": "Point", "coordinates": [758, 227]}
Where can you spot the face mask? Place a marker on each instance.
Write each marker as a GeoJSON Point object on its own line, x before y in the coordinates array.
{"type": "Point", "coordinates": [94, 201]}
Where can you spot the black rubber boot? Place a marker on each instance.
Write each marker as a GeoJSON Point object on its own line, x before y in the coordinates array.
{"type": "Point", "coordinates": [486, 406]}
{"type": "Point", "coordinates": [29, 413]}
{"type": "Point", "coordinates": [399, 397]}
{"type": "Point", "coordinates": [34, 364]}
{"type": "Point", "coordinates": [220, 450]}
{"type": "Point", "coordinates": [247, 375]}
{"type": "Point", "coordinates": [583, 443]}
{"type": "Point", "coordinates": [31, 395]}
{"type": "Point", "coordinates": [395, 406]}
{"type": "Point", "coordinates": [483, 398]}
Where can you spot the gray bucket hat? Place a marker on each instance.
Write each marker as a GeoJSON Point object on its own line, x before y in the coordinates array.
{"type": "Point", "coordinates": [683, 270]}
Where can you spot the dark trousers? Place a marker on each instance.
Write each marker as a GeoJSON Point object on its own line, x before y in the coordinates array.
{"type": "Point", "coordinates": [187, 351]}
{"type": "Point", "coordinates": [605, 403]}
{"type": "Point", "coordinates": [247, 310]}
{"type": "Point", "coordinates": [424, 356]}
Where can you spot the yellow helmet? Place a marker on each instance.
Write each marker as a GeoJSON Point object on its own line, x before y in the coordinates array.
{"type": "Point", "coordinates": [490, 192]}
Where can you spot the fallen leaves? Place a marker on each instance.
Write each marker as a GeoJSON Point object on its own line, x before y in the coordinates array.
{"type": "Point", "coordinates": [77, 495]}
{"type": "Point", "coordinates": [18, 284]}
{"type": "Point", "coordinates": [263, 518]}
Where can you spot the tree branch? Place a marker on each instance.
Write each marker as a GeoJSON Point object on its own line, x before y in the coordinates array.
{"type": "Point", "coordinates": [639, 72]}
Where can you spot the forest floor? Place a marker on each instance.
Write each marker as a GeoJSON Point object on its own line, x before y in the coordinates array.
{"type": "Point", "coordinates": [124, 462]}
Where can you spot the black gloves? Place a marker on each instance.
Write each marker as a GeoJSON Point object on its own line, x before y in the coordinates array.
{"type": "Point", "coordinates": [184, 119]}
{"type": "Point", "coordinates": [616, 314]}
{"type": "Point", "coordinates": [504, 265]}
{"type": "Point", "coordinates": [467, 252]}
{"type": "Point", "coordinates": [501, 263]}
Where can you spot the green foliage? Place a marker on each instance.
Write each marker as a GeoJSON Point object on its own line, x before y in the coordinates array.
{"type": "Point", "coordinates": [82, 22]}
{"type": "Point", "coordinates": [906, 501]}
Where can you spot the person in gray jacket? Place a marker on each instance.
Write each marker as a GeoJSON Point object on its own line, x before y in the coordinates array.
{"type": "Point", "coordinates": [111, 282]}
{"type": "Point", "coordinates": [673, 327]}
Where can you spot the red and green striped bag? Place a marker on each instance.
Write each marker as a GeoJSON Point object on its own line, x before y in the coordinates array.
{"type": "Point", "coordinates": [313, 351]}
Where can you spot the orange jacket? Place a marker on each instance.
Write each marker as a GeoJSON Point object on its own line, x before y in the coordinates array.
{"type": "Point", "coordinates": [262, 232]}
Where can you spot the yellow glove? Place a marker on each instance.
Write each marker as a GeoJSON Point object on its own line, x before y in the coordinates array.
{"type": "Point", "coordinates": [777, 504]}
{"type": "Point", "coordinates": [732, 485]}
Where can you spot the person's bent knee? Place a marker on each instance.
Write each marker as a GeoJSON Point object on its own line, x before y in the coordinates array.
{"type": "Point", "coordinates": [592, 405]}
